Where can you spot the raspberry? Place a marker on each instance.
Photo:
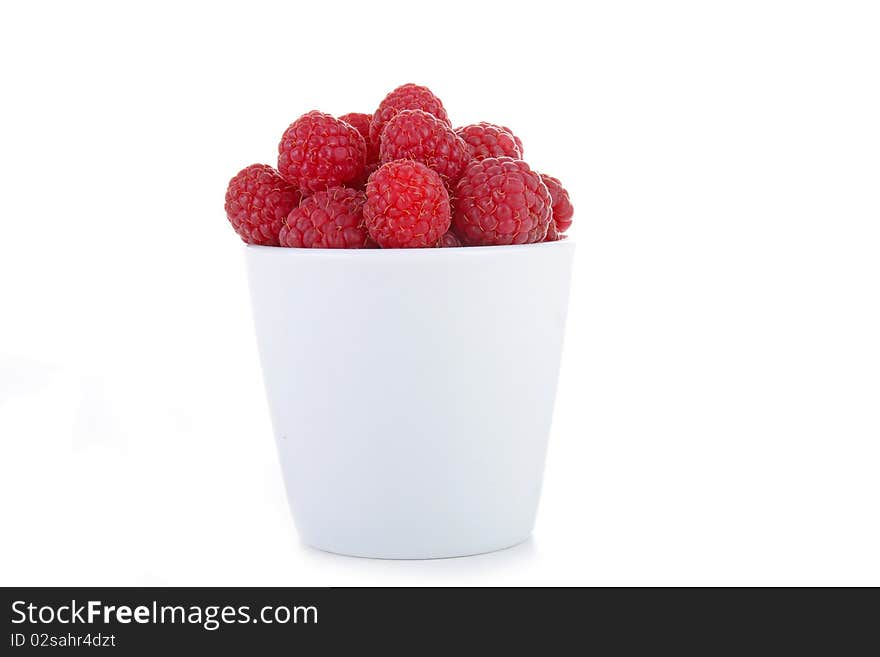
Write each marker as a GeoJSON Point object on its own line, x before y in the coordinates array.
{"type": "Point", "coordinates": [562, 207]}
{"type": "Point", "coordinates": [318, 151]}
{"type": "Point", "coordinates": [257, 201]}
{"type": "Point", "coordinates": [501, 201]}
{"type": "Point", "coordinates": [516, 139]}
{"type": "Point", "coordinates": [448, 240]}
{"type": "Point", "coordinates": [361, 123]}
{"type": "Point", "coordinates": [332, 219]}
{"type": "Point", "coordinates": [407, 96]}
{"type": "Point", "coordinates": [417, 135]}
{"type": "Point", "coordinates": [407, 206]}
{"type": "Point", "coordinates": [490, 140]}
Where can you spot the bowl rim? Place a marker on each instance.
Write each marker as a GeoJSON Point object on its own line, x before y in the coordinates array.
{"type": "Point", "coordinates": [455, 251]}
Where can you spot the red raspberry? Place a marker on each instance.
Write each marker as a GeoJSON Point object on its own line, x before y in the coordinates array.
{"type": "Point", "coordinates": [332, 219]}
{"type": "Point", "coordinates": [448, 240]}
{"type": "Point", "coordinates": [257, 201]}
{"type": "Point", "coordinates": [318, 151]}
{"type": "Point", "coordinates": [361, 123]}
{"type": "Point", "coordinates": [407, 96]}
{"type": "Point", "coordinates": [501, 201]}
{"type": "Point", "coordinates": [407, 206]}
{"type": "Point", "coordinates": [562, 207]}
{"type": "Point", "coordinates": [490, 140]}
{"type": "Point", "coordinates": [417, 135]}
{"type": "Point", "coordinates": [516, 139]}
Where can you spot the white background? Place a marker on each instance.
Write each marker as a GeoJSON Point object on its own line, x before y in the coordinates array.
{"type": "Point", "coordinates": [718, 418]}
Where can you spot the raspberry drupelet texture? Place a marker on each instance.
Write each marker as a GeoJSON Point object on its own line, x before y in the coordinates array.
{"type": "Point", "coordinates": [448, 240]}
{"type": "Point", "coordinates": [258, 200]}
{"type": "Point", "coordinates": [318, 151]}
{"type": "Point", "coordinates": [552, 233]}
{"type": "Point", "coordinates": [361, 123]}
{"type": "Point", "coordinates": [407, 206]}
{"type": "Point", "coordinates": [407, 96]}
{"type": "Point", "coordinates": [490, 140]}
{"type": "Point", "coordinates": [501, 201]}
{"type": "Point", "coordinates": [563, 210]}
{"type": "Point", "coordinates": [419, 136]}
{"type": "Point", "coordinates": [332, 219]}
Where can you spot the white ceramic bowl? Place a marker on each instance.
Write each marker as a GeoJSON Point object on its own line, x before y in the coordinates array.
{"type": "Point", "coordinates": [411, 391]}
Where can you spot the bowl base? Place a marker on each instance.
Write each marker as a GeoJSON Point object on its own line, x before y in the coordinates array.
{"type": "Point", "coordinates": [421, 556]}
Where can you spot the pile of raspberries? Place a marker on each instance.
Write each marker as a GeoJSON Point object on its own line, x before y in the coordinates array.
{"type": "Point", "coordinates": [401, 177]}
